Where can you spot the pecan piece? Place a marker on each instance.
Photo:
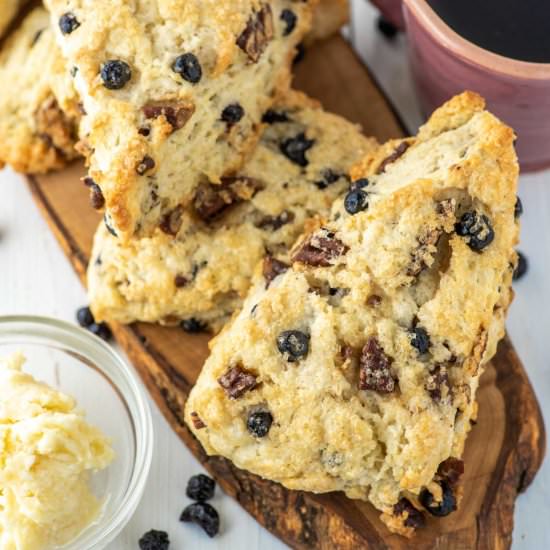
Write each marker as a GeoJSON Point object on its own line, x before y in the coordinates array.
{"type": "Point", "coordinates": [176, 113]}
{"type": "Point", "coordinates": [197, 421]}
{"type": "Point", "coordinates": [451, 470]}
{"type": "Point", "coordinates": [422, 256]}
{"type": "Point", "coordinates": [398, 152]}
{"type": "Point", "coordinates": [437, 384]}
{"type": "Point", "coordinates": [374, 368]}
{"type": "Point", "coordinates": [272, 268]}
{"type": "Point", "coordinates": [237, 381]}
{"type": "Point", "coordinates": [172, 221]}
{"type": "Point", "coordinates": [320, 249]}
{"type": "Point", "coordinates": [411, 516]}
{"type": "Point", "coordinates": [257, 34]}
{"type": "Point", "coordinates": [211, 200]}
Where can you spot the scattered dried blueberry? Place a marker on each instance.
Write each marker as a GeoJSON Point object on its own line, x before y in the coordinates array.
{"type": "Point", "coordinates": [439, 509]}
{"type": "Point", "coordinates": [387, 28]}
{"type": "Point", "coordinates": [259, 423]}
{"type": "Point", "coordinates": [420, 340]}
{"type": "Point", "coordinates": [521, 268]}
{"type": "Point", "coordinates": [271, 117]}
{"type": "Point", "coordinates": [294, 344]}
{"type": "Point", "coordinates": [273, 223]}
{"type": "Point", "coordinates": [115, 74]}
{"type": "Point", "coordinates": [193, 325]}
{"type": "Point", "coordinates": [328, 178]}
{"type": "Point", "coordinates": [232, 114]}
{"type": "Point", "coordinates": [361, 183]}
{"type": "Point", "coordinates": [300, 53]}
{"type": "Point", "coordinates": [146, 164]}
{"type": "Point", "coordinates": [518, 208]}
{"type": "Point", "coordinates": [97, 199]}
{"type": "Point", "coordinates": [295, 149]}
{"type": "Point", "coordinates": [154, 540]}
{"type": "Point", "coordinates": [200, 487]}
{"type": "Point", "coordinates": [188, 67]}
{"type": "Point", "coordinates": [477, 229]}
{"type": "Point", "coordinates": [204, 515]}
{"type": "Point", "coordinates": [68, 23]}
{"type": "Point", "coordinates": [108, 225]}
{"type": "Point", "coordinates": [356, 201]}
{"type": "Point", "coordinates": [289, 17]}
{"type": "Point", "coordinates": [85, 317]}
{"type": "Point", "coordinates": [101, 330]}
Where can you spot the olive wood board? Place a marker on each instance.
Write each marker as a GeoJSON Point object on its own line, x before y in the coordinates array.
{"type": "Point", "coordinates": [503, 452]}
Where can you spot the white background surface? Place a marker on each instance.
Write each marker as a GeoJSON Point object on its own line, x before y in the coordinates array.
{"type": "Point", "coordinates": [35, 278]}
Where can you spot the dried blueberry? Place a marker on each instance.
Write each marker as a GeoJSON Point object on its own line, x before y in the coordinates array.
{"type": "Point", "coordinates": [294, 344]}
{"type": "Point", "coordinates": [271, 117]}
{"type": "Point", "coordinates": [328, 178]}
{"type": "Point", "coordinates": [204, 515]}
{"type": "Point", "coordinates": [361, 183]}
{"type": "Point", "coordinates": [300, 53]}
{"type": "Point", "coordinates": [188, 67]}
{"type": "Point", "coordinates": [259, 423]}
{"type": "Point", "coordinates": [420, 340]}
{"type": "Point", "coordinates": [521, 267]}
{"type": "Point", "coordinates": [101, 330]}
{"type": "Point", "coordinates": [193, 325]}
{"type": "Point", "coordinates": [477, 229]}
{"type": "Point", "coordinates": [518, 208]}
{"type": "Point", "coordinates": [289, 17]}
{"type": "Point", "coordinates": [387, 28]}
{"type": "Point", "coordinates": [154, 540]}
{"type": "Point", "coordinates": [200, 487]}
{"type": "Point", "coordinates": [109, 226]}
{"type": "Point", "coordinates": [146, 164]}
{"type": "Point", "coordinates": [295, 149]}
{"type": "Point", "coordinates": [356, 201]}
{"type": "Point", "coordinates": [232, 114]}
{"type": "Point", "coordinates": [85, 317]}
{"type": "Point", "coordinates": [115, 74]}
{"type": "Point", "coordinates": [68, 23]}
{"type": "Point", "coordinates": [439, 509]}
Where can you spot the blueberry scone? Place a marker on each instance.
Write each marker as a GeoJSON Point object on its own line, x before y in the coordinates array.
{"type": "Point", "coordinates": [9, 9]}
{"type": "Point", "coordinates": [356, 369]}
{"type": "Point", "coordinates": [36, 134]}
{"type": "Point", "coordinates": [201, 275]}
{"type": "Point", "coordinates": [173, 92]}
{"type": "Point", "coordinates": [328, 18]}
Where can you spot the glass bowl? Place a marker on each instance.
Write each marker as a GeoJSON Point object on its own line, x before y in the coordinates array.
{"type": "Point", "coordinates": [81, 365]}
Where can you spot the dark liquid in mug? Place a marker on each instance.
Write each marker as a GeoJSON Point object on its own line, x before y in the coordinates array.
{"type": "Point", "coordinates": [519, 29]}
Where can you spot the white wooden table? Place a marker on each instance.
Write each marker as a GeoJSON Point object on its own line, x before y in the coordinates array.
{"type": "Point", "coordinates": [35, 278]}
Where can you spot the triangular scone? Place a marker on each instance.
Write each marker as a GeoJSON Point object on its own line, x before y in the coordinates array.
{"type": "Point", "coordinates": [173, 91]}
{"type": "Point", "coordinates": [203, 273]}
{"type": "Point", "coordinates": [356, 370]}
{"type": "Point", "coordinates": [36, 135]}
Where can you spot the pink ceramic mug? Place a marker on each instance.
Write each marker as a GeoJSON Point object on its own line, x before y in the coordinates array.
{"type": "Point", "coordinates": [444, 64]}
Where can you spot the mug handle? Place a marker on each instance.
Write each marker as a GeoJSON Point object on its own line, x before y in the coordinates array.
{"type": "Point", "coordinates": [392, 10]}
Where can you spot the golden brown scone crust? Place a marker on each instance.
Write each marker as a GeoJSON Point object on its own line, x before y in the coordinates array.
{"type": "Point", "coordinates": [244, 49]}
{"type": "Point", "coordinates": [368, 408]}
{"type": "Point", "coordinates": [36, 135]}
{"type": "Point", "coordinates": [205, 271]}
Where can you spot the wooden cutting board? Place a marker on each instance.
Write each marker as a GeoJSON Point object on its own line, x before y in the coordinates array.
{"type": "Point", "coordinates": [505, 448]}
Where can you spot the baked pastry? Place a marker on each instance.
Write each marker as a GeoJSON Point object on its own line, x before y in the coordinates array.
{"type": "Point", "coordinates": [36, 135]}
{"type": "Point", "coordinates": [202, 274]}
{"type": "Point", "coordinates": [9, 9]}
{"type": "Point", "coordinates": [329, 17]}
{"type": "Point", "coordinates": [356, 369]}
{"type": "Point", "coordinates": [173, 93]}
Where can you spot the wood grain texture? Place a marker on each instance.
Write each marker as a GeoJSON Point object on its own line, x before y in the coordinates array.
{"type": "Point", "coordinates": [505, 448]}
